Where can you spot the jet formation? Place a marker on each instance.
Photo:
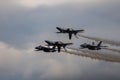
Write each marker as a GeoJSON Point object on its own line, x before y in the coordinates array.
{"type": "Point", "coordinates": [53, 46]}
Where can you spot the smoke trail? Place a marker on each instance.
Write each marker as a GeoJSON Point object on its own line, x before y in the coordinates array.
{"type": "Point", "coordinates": [93, 55]}
{"type": "Point", "coordinates": [116, 43]}
{"type": "Point", "coordinates": [115, 50]}
{"type": "Point", "coordinates": [93, 52]}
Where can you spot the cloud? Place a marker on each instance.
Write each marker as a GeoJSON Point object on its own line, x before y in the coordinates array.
{"type": "Point", "coordinates": [28, 65]}
{"type": "Point", "coordinates": [37, 3]}
{"type": "Point", "coordinates": [20, 25]}
{"type": "Point", "coordinates": [30, 23]}
{"type": "Point", "coordinates": [14, 62]}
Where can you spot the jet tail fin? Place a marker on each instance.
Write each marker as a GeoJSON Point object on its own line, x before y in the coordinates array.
{"type": "Point", "coordinates": [59, 48]}
{"type": "Point", "coordinates": [70, 36]}
{"type": "Point", "coordinates": [99, 44]}
{"type": "Point", "coordinates": [75, 33]}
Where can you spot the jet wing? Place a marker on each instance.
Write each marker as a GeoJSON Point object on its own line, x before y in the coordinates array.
{"type": "Point", "coordinates": [64, 45]}
{"type": "Point", "coordinates": [61, 30]}
{"type": "Point", "coordinates": [79, 30]}
{"type": "Point", "coordinates": [49, 42]}
{"type": "Point", "coordinates": [68, 43]}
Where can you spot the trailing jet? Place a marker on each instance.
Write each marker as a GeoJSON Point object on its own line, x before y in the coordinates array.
{"type": "Point", "coordinates": [92, 47]}
{"type": "Point", "coordinates": [45, 49]}
{"type": "Point", "coordinates": [57, 44]}
{"type": "Point", "coordinates": [70, 31]}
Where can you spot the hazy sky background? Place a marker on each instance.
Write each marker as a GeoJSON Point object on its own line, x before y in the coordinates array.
{"type": "Point", "coordinates": [25, 24]}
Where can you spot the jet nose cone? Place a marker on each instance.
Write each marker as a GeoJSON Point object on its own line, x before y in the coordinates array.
{"type": "Point", "coordinates": [45, 40]}
{"type": "Point", "coordinates": [36, 47]}
{"type": "Point", "coordinates": [82, 45]}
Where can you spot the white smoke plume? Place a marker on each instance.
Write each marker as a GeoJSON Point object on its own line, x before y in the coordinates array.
{"type": "Point", "coordinates": [114, 50]}
{"type": "Point", "coordinates": [93, 55]}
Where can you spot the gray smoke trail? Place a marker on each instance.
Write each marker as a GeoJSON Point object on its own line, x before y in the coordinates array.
{"type": "Point", "coordinates": [93, 52]}
{"type": "Point", "coordinates": [94, 55]}
{"type": "Point", "coordinates": [116, 43]}
{"type": "Point", "coordinates": [111, 49]}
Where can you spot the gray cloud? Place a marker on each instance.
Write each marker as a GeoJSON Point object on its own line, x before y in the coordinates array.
{"type": "Point", "coordinates": [21, 26]}
{"type": "Point", "coordinates": [28, 65]}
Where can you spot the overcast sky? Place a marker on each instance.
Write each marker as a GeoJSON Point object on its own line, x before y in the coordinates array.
{"type": "Point", "coordinates": [25, 24]}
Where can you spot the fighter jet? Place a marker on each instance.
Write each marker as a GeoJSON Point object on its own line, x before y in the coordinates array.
{"type": "Point", "coordinates": [92, 47]}
{"type": "Point", "coordinates": [57, 44]}
{"type": "Point", "coordinates": [70, 31]}
{"type": "Point", "coordinates": [45, 49]}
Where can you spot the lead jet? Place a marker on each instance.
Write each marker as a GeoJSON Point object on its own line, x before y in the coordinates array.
{"type": "Point", "coordinates": [70, 31]}
{"type": "Point", "coordinates": [45, 49]}
{"type": "Point", "coordinates": [57, 44]}
{"type": "Point", "coordinates": [92, 47]}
